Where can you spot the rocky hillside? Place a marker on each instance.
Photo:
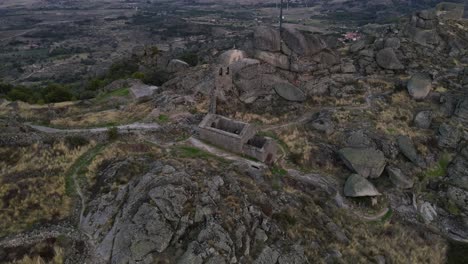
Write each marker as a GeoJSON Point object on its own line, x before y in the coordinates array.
{"type": "Point", "coordinates": [372, 166]}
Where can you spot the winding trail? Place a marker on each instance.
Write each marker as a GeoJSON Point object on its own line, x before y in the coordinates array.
{"type": "Point", "coordinates": [122, 129]}
{"type": "Point", "coordinates": [310, 112]}
{"type": "Point", "coordinates": [375, 217]}
{"type": "Point", "coordinates": [223, 154]}
{"type": "Point", "coordinates": [83, 161]}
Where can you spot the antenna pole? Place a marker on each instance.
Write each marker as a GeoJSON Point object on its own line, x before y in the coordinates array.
{"type": "Point", "coordinates": [281, 17]}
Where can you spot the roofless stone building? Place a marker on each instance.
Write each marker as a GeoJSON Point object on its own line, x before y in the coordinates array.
{"type": "Point", "coordinates": [237, 137]}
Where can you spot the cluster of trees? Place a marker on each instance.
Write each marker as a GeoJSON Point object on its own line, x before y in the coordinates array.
{"type": "Point", "coordinates": [55, 92]}
{"type": "Point", "coordinates": [50, 93]}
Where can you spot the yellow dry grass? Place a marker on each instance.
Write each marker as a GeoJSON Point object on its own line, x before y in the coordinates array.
{"type": "Point", "coordinates": [130, 114]}
{"type": "Point", "coordinates": [33, 184]}
{"type": "Point", "coordinates": [118, 150]}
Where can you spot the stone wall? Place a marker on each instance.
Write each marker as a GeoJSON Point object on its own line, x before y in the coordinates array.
{"type": "Point", "coordinates": [267, 153]}
{"type": "Point", "coordinates": [237, 137]}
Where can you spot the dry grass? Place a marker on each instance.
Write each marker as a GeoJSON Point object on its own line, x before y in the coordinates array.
{"type": "Point", "coordinates": [118, 150]}
{"type": "Point", "coordinates": [130, 114]}
{"type": "Point", "coordinates": [59, 258]}
{"type": "Point", "coordinates": [33, 184]}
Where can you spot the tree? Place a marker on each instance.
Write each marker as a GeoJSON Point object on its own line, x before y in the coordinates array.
{"type": "Point", "coordinates": [55, 93]}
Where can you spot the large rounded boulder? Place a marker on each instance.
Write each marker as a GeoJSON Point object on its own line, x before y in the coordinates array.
{"type": "Point", "coordinates": [267, 39]}
{"type": "Point", "coordinates": [387, 59]}
{"type": "Point", "coordinates": [289, 92]}
{"type": "Point", "coordinates": [419, 86]}
{"type": "Point", "coordinates": [358, 186]}
{"type": "Point", "coordinates": [367, 162]}
{"type": "Point", "coordinates": [302, 45]}
{"type": "Point", "coordinates": [228, 57]}
{"type": "Point", "coordinates": [177, 65]}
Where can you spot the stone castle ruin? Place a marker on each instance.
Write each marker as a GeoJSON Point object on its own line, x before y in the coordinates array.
{"type": "Point", "coordinates": [237, 137]}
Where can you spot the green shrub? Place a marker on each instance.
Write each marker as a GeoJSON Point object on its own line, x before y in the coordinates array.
{"type": "Point", "coordinates": [74, 142]}
{"type": "Point", "coordinates": [113, 133]}
{"type": "Point", "coordinates": [138, 75]}
{"type": "Point", "coordinates": [440, 169]}
{"type": "Point", "coordinates": [158, 77]}
{"type": "Point", "coordinates": [55, 93]}
{"type": "Point", "coordinates": [163, 118]}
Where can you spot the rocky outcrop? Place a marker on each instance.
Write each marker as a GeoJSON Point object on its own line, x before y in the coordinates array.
{"type": "Point", "coordinates": [398, 178]}
{"type": "Point", "coordinates": [448, 136]}
{"type": "Point", "coordinates": [289, 92]}
{"type": "Point", "coordinates": [461, 111]}
{"type": "Point", "coordinates": [231, 56]}
{"type": "Point", "coordinates": [422, 28]}
{"type": "Point", "coordinates": [358, 186]}
{"type": "Point", "coordinates": [177, 65]}
{"type": "Point", "coordinates": [423, 119]}
{"type": "Point", "coordinates": [171, 215]}
{"type": "Point", "coordinates": [367, 162]}
{"type": "Point", "coordinates": [408, 149]}
{"type": "Point", "coordinates": [387, 59]}
{"type": "Point", "coordinates": [419, 86]}
{"type": "Point", "coordinates": [300, 44]}
{"type": "Point", "coordinates": [267, 39]}
{"type": "Point", "coordinates": [275, 59]}
{"type": "Point", "coordinates": [458, 170]}
{"type": "Point", "coordinates": [251, 86]}
{"type": "Point", "coordinates": [393, 43]}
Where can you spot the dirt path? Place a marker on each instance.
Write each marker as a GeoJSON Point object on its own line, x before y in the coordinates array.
{"type": "Point", "coordinates": [375, 217]}
{"type": "Point", "coordinates": [223, 154]}
{"type": "Point", "coordinates": [36, 236]}
{"type": "Point", "coordinates": [310, 113]}
{"type": "Point", "coordinates": [79, 164]}
{"type": "Point", "coordinates": [121, 129]}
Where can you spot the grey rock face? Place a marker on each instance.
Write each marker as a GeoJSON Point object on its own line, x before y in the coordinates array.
{"type": "Point", "coordinates": [458, 171]}
{"type": "Point", "coordinates": [318, 87]}
{"type": "Point", "coordinates": [448, 136]}
{"type": "Point", "coordinates": [251, 87]}
{"type": "Point", "coordinates": [267, 256]}
{"type": "Point", "coordinates": [393, 43]}
{"type": "Point", "coordinates": [423, 119]}
{"type": "Point", "coordinates": [242, 64]}
{"type": "Point", "coordinates": [459, 197]}
{"type": "Point", "coordinates": [177, 65]}
{"type": "Point", "coordinates": [358, 139]}
{"type": "Point", "coordinates": [275, 59]}
{"type": "Point", "coordinates": [407, 148]}
{"type": "Point", "coordinates": [461, 111]}
{"type": "Point", "coordinates": [357, 46]}
{"type": "Point", "coordinates": [322, 122]}
{"type": "Point", "coordinates": [367, 162]}
{"type": "Point", "coordinates": [387, 59]}
{"type": "Point", "coordinates": [142, 215]}
{"type": "Point", "coordinates": [398, 178]}
{"type": "Point", "coordinates": [295, 256]}
{"type": "Point", "coordinates": [290, 92]}
{"type": "Point", "coordinates": [358, 186]}
{"type": "Point", "coordinates": [427, 212]}
{"type": "Point", "coordinates": [348, 67]}
{"type": "Point", "coordinates": [419, 86]}
{"type": "Point", "coordinates": [300, 44]}
{"type": "Point", "coordinates": [425, 37]}
{"type": "Point", "coordinates": [267, 39]}
{"type": "Point", "coordinates": [327, 58]}
{"type": "Point", "coordinates": [295, 40]}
